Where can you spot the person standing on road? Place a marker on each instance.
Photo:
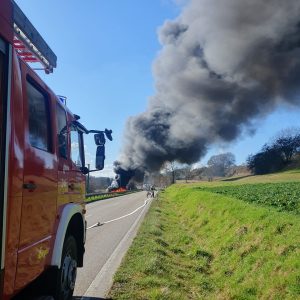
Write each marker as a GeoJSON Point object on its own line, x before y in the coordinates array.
{"type": "Point", "coordinates": [152, 191]}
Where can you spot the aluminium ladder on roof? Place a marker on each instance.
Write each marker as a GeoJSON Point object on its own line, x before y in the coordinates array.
{"type": "Point", "coordinates": [29, 44]}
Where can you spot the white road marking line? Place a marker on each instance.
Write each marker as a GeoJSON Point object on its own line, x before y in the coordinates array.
{"type": "Point", "coordinates": [88, 216]}
{"type": "Point", "coordinates": [125, 216]}
{"type": "Point", "coordinates": [92, 289]}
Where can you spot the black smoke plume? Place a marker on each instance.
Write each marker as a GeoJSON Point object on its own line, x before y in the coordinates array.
{"type": "Point", "coordinates": [123, 176]}
{"type": "Point", "coordinates": [223, 66]}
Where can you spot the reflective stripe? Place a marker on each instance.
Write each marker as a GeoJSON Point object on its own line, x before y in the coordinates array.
{"type": "Point", "coordinates": [34, 244]}
{"type": "Point", "coordinates": [7, 136]}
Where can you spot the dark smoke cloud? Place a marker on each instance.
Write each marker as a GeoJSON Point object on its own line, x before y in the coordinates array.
{"type": "Point", "coordinates": [223, 65]}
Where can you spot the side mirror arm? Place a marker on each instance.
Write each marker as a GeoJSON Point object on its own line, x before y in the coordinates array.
{"type": "Point", "coordinates": [84, 170]}
{"type": "Point", "coordinates": [107, 132]}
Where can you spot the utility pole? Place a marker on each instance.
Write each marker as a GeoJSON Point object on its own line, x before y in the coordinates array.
{"type": "Point", "coordinates": [88, 180]}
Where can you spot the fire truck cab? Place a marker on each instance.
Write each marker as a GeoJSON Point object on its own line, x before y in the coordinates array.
{"type": "Point", "coordinates": [42, 168]}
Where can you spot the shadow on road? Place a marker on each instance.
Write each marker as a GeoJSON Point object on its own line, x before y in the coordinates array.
{"type": "Point", "coordinates": [90, 298]}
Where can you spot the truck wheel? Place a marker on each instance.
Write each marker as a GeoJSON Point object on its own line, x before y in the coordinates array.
{"type": "Point", "coordinates": [66, 275]}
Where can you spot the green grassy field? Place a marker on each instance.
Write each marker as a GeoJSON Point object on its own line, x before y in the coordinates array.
{"type": "Point", "coordinates": [215, 241]}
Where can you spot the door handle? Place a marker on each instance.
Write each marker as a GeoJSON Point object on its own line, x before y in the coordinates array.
{"type": "Point", "coordinates": [29, 186]}
{"type": "Point", "coordinates": [71, 186]}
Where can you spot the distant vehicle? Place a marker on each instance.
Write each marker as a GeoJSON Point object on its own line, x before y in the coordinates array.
{"type": "Point", "coordinates": [42, 168]}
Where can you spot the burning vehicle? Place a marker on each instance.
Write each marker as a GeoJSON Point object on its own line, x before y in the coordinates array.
{"type": "Point", "coordinates": [116, 186]}
{"type": "Point", "coordinates": [125, 179]}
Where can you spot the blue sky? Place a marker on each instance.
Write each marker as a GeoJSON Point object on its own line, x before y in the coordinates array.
{"type": "Point", "coordinates": [105, 53]}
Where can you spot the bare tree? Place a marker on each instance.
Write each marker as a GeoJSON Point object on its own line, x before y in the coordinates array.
{"type": "Point", "coordinates": [221, 163]}
{"type": "Point", "coordinates": [287, 142]}
{"type": "Point", "coordinates": [170, 168]}
{"type": "Point", "coordinates": [187, 169]}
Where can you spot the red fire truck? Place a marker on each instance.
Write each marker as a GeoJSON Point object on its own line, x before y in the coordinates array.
{"type": "Point", "coordinates": [42, 168]}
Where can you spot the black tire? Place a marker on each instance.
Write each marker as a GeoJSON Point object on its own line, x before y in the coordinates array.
{"type": "Point", "coordinates": [65, 277]}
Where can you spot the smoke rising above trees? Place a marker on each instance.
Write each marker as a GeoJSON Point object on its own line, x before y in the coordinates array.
{"type": "Point", "coordinates": [223, 65]}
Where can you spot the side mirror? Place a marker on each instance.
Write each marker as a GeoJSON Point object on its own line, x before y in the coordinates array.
{"type": "Point", "coordinates": [108, 134]}
{"type": "Point", "coordinates": [100, 157]}
{"type": "Point", "coordinates": [99, 139]}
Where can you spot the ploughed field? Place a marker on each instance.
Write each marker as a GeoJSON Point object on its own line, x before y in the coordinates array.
{"type": "Point", "coordinates": [234, 239]}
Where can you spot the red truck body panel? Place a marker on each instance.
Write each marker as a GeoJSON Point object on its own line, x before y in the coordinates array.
{"type": "Point", "coordinates": [33, 215]}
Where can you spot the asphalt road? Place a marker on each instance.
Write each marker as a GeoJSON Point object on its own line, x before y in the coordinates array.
{"type": "Point", "coordinates": [107, 244]}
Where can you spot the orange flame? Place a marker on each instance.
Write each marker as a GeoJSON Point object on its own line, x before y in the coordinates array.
{"type": "Point", "coordinates": [119, 190]}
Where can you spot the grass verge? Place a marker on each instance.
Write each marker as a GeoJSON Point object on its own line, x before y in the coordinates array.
{"type": "Point", "coordinates": [195, 244]}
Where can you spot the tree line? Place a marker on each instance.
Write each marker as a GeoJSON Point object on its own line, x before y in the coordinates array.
{"type": "Point", "coordinates": [277, 154]}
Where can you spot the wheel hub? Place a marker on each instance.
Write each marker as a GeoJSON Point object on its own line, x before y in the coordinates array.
{"type": "Point", "coordinates": [69, 272]}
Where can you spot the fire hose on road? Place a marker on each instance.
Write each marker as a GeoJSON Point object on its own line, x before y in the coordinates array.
{"type": "Point", "coordinates": [114, 248]}
{"type": "Point", "coordinates": [119, 218]}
